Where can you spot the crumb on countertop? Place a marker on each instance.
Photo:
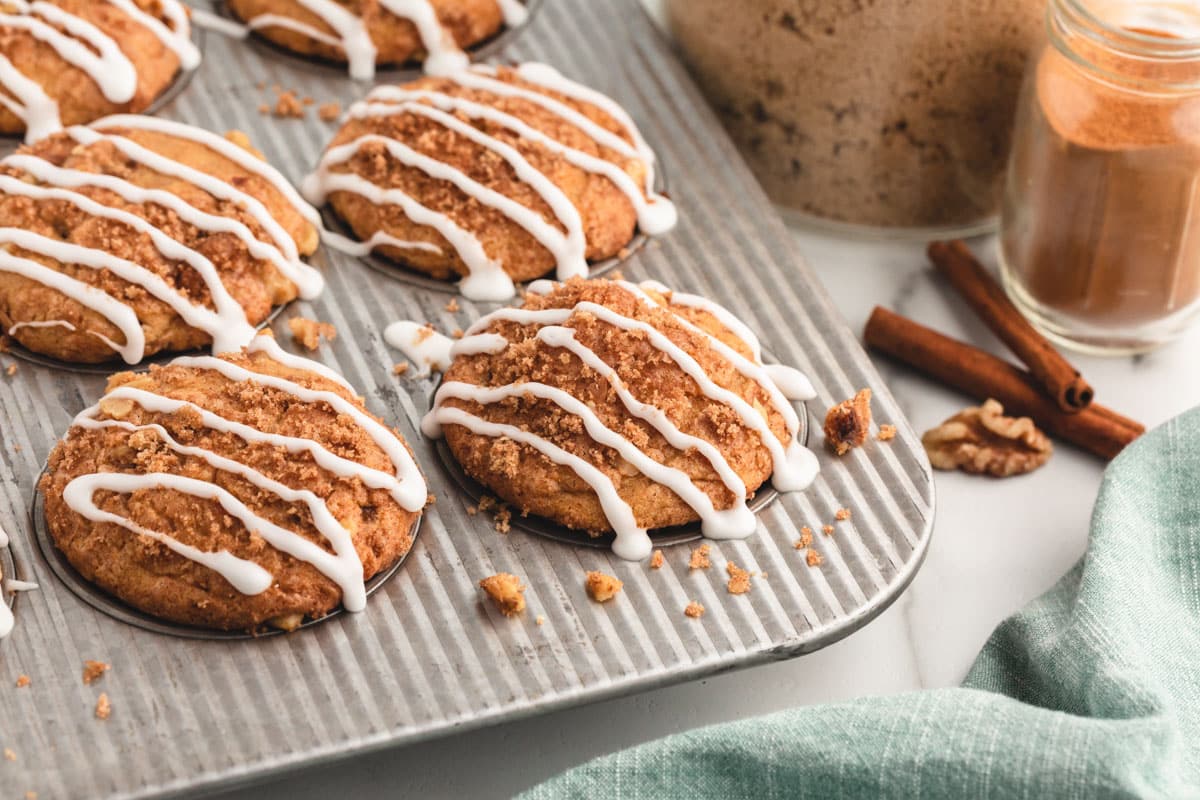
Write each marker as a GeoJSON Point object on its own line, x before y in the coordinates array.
{"type": "Point", "coordinates": [602, 587]}
{"type": "Point", "coordinates": [506, 592]}
{"type": "Point", "coordinates": [694, 610]}
{"type": "Point", "coordinates": [827, 530]}
{"type": "Point", "coordinates": [700, 559]}
{"type": "Point", "coordinates": [309, 333]}
{"type": "Point", "coordinates": [92, 670]}
{"type": "Point", "coordinates": [847, 423]}
{"type": "Point", "coordinates": [103, 707]}
{"type": "Point", "coordinates": [288, 105]}
{"type": "Point", "coordinates": [842, 514]}
{"type": "Point", "coordinates": [739, 579]}
{"type": "Point", "coordinates": [886, 433]}
{"type": "Point", "coordinates": [814, 558]}
{"type": "Point", "coordinates": [656, 560]}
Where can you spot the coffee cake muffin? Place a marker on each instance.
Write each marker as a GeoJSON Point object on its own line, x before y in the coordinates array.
{"type": "Point", "coordinates": [136, 236]}
{"type": "Point", "coordinates": [232, 492]}
{"type": "Point", "coordinates": [368, 33]}
{"type": "Point", "coordinates": [69, 62]}
{"type": "Point", "coordinates": [612, 406]}
{"type": "Point", "coordinates": [495, 174]}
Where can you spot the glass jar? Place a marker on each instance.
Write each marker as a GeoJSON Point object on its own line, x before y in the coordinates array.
{"type": "Point", "coordinates": [1100, 236]}
{"type": "Point", "coordinates": [891, 114]}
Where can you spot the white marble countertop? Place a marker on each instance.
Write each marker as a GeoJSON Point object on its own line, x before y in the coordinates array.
{"type": "Point", "coordinates": [996, 545]}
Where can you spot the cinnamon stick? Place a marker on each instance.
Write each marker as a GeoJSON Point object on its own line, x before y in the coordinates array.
{"type": "Point", "coordinates": [977, 373]}
{"type": "Point", "coordinates": [1055, 374]}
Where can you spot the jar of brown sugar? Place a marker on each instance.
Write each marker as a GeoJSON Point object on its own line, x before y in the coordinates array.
{"type": "Point", "coordinates": [1100, 237]}
{"type": "Point", "coordinates": [892, 114]}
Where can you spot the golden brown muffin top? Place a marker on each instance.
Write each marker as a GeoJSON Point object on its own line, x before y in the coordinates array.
{"type": "Point", "coordinates": [606, 405]}
{"type": "Point", "coordinates": [189, 237]}
{"type": "Point", "coordinates": [77, 60]}
{"type": "Point", "coordinates": [288, 492]}
{"type": "Point", "coordinates": [492, 172]}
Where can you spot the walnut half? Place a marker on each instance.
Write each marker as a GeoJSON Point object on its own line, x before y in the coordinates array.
{"type": "Point", "coordinates": [982, 441]}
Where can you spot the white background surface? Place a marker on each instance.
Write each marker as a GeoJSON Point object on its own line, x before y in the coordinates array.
{"type": "Point", "coordinates": [996, 545]}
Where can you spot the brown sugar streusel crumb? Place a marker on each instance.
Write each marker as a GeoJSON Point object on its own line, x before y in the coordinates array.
{"type": "Point", "coordinates": [601, 587]}
{"type": "Point", "coordinates": [328, 112]}
{"type": "Point", "coordinates": [847, 423]}
{"type": "Point", "coordinates": [827, 530]}
{"type": "Point", "coordinates": [22, 681]}
{"type": "Point", "coordinates": [92, 670]}
{"type": "Point", "coordinates": [288, 105]}
{"type": "Point", "coordinates": [540, 620]}
{"type": "Point", "coordinates": [842, 514]}
{"type": "Point", "coordinates": [103, 707]}
{"type": "Point", "coordinates": [814, 558]}
{"type": "Point", "coordinates": [886, 433]}
{"type": "Point", "coordinates": [452, 306]}
{"type": "Point", "coordinates": [264, 108]}
{"type": "Point", "coordinates": [9, 755]}
{"type": "Point", "coordinates": [700, 559]}
{"type": "Point", "coordinates": [31, 796]}
{"type": "Point", "coordinates": [694, 610]}
{"type": "Point", "coordinates": [309, 333]}
{"type": "Point", "coordinates": [739, 579]}
{"type": "Point", "coordinates": [806, 537]}
{"type": "Point", "coordinates": [656, 560]}
{"type": "Point", "coordinates": [506, 592]}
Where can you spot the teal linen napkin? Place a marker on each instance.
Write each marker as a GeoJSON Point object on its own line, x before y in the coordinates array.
{"type": "Point", "coordinates": [1093, 691]}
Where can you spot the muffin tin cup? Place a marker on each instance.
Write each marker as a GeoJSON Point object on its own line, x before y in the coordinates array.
{"type": "Point", "coordinates": [549, 529]}
{"type": "Point", "coordinates": [119, 610]}
{"type": "Point", "coordinates": [394, 72]}
{"type": "Point", "coordinates": [16, 350]}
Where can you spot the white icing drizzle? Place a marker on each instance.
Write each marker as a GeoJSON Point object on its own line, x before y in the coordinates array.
{"type": "Point", "coordinates": [655, 213]}
{"type": "Point", "coordinates": [350, 32]}
{"type": "Point", "coordinates": [379, 238]}
{"type": "Point", "coordinates": [795, 467]}
{"type": "Point", "coordinates": [226, 321]}
{"type": "Point", "coordinates": [426, 348]}
{"type": "Point", "coordinates": [343, 565]}
{"type": "Point", "coordinates": [218, 24]}
{"type": "Point", "coordinates": [86, 47]}
{"type": "Point", "coordinates": [12, 585]}
{"type": "Point", "coordinates": [515, 13]}
{"type": "Point", "coordinates": [50, 323]}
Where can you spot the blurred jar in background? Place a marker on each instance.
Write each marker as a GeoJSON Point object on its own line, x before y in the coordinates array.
{"type": "Point", "coordinates": [890, 114]}
{"type": "Point", "coordinates": [1100, 241]}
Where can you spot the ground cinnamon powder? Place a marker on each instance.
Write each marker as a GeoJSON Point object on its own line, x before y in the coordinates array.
{"type": "Point", "coordinates": [1102, 219]}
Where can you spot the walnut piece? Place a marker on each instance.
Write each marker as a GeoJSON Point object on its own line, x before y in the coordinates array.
{"type": "Point", "coordinates": [848, 423]}
{"type": "Point", "coordinates": [982, 441]}
{"type": "Point", "coordinates": [506, 592]}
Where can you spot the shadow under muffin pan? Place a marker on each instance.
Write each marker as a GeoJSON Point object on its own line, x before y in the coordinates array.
{"type": "Point", "coordinates": [100, 600]}
{"type": "Point", "coordinates": [183, 77]}
{"type": "Point", "coordinates": [16, 350]}
{"type": "Point", "coordinates": [410, 70]}
{"type": "Point", "coordinates": [660, 537]}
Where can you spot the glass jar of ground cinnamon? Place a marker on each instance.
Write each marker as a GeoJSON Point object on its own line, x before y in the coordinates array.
{"type": "Point", "coordinates": [890, 115]}
{"type": "Point", "coordinates": [1100, 234]}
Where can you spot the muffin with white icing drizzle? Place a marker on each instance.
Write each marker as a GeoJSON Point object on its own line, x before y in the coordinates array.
{"type": "Point", "coordinates": [69, 62]}
{"type": "Point", "coordinates": [233, 492]}
{"type": "Point", "coordinates": [369, 33]}
{"type": "Point", "coordinates": [137, 235]}
{"type": "Point", "coordinates": [494, 174]}
{"type": "Point", "coordinates": [612, 406]}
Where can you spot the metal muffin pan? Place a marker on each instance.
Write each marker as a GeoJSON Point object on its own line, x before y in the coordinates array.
{"type": "Point", "coordinates": [429, 656]}
{"type": "Point", "coordinates": [99, 599]}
